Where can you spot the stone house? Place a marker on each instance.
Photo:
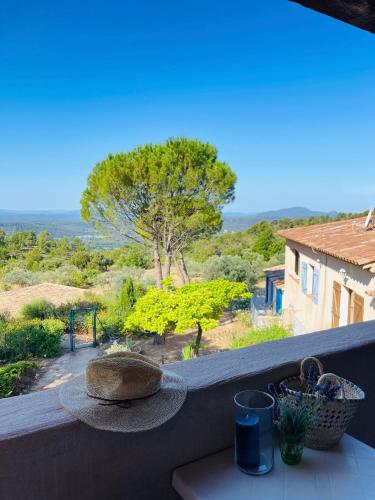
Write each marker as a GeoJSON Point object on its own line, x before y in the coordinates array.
{"type": "Point", "coordinates": [329, 275]}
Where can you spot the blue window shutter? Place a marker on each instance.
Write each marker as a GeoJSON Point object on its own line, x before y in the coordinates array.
{"type": "Point", "coordinates": [304, 277]}
{"type": "Point", "coordinates": [279, 301]}
{"type": "Point", "coordinates": [315, 285]}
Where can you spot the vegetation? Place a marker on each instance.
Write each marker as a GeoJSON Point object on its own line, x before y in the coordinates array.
{"type": "Point", "coordinates": [117, 308]}
{"type": "Point", "coordinates": [231, 268]}
{"type": "Point", "coordinates": [195, 305]}
{"type": "Point", "coordinates": [164, 195]}
{"type": "Point", "coordinates": [126, 346]}
{"type": "Point", "coordinates": [11, 374]}
{"type": "Point", "coordinates": [187, 352]}
{"type": "Point", "coordinates": [38, 309]}
{"type": "Point", "coordinates": [27, 259]}
{"type": "Point", "coordinates": [24, 339]}
{"type": "Point", "coordinates": [260, 335]}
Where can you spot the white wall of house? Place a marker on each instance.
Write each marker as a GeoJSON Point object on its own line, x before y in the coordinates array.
{"type": "Point", "coordinates": [299, 308]}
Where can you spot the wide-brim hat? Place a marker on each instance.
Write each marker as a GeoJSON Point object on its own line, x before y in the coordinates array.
{"type": "Point", "coordinates": [124, 392]}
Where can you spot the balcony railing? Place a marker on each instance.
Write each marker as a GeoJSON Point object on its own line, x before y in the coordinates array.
{"type": "Point", "coordinates": [46, 454]}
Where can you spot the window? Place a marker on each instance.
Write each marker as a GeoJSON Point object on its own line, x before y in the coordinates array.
{"type": "Point", "coordinates": [296, 262]}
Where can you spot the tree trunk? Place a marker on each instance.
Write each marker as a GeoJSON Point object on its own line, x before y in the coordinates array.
{"type": "Point", "coordinates": [157, 262]}
{"type": "Point", "coordinates": [198, 340]}
{"type": "Point", "coordinates": [168, 250]}
{"type": "Point", "coordinates": [168, 262]}
{"type": "Point", "coordinates": [177, 264]}
{"type": "Point", "coordinates": [184, 269]}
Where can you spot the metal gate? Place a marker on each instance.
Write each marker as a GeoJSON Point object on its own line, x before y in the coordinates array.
{"type": "Point", "coordinates": [82, 321]}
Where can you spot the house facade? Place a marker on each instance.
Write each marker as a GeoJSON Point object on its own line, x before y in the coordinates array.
{"type": "Point", "coordinates": [329, 275]}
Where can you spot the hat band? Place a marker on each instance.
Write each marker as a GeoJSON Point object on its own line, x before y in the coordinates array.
{"type": "Point", "coordinates": [121, 403]}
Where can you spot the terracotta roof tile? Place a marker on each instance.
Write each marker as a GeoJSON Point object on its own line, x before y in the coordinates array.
{"type": "Point", "coordinates": [346, 240]}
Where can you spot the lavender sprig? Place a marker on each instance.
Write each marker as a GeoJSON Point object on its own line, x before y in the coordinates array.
{"type": "Point", "coordinates": [327, 391]}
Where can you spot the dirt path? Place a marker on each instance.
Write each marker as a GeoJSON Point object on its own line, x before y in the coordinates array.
{"type": "Point", "coordinates": [56, 372]}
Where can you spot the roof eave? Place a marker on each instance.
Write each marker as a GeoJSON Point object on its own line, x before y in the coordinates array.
{"type": "Point", "coordinates": [359, 13]}
{"type": "Point", "coordinates": [359, 262]}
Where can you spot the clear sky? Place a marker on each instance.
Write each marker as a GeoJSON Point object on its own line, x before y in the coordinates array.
{"type": "Point", "coordinates": [286, 94]}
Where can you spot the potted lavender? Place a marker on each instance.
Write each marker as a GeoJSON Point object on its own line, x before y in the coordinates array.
{"type": "Point", "coordinates": [293, 418]}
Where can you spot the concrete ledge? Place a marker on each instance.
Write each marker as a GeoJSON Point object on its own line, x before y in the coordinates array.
{"type": "Point", "coordinates": [60, 457]}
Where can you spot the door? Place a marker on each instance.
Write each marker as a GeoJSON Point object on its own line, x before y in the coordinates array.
{"type": "Point", "coordinates": [336, 296]}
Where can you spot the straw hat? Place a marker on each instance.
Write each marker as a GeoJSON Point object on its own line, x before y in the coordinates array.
{"type": "Point", "coordinates": [124, 392]}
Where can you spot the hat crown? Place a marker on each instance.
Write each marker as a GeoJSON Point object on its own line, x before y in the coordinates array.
{"type": "Point", "coordinates": [122, 376]}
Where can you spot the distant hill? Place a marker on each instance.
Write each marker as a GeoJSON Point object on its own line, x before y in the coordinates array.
{"type": "Point", "coordinates": [293, 213]}
{"type": "Point", "coordinates": [237, 221]}
{"type": "Point", "coordinates": [68, 223]}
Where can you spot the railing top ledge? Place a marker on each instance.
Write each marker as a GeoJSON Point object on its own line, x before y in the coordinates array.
{"type": "Point", "coordinates": [38, 411]}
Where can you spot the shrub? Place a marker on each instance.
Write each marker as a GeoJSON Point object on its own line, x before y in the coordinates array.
{"type": "Point", "coordinates": [10, 375]}
{"type": "Point", "coordinates": [19, 276]}
{"type": "Point", "coordinates": [124, 303]}
{"type": "Point", "coordinates": [259, 335]}
{"type": "Point", "coordinates": [126, 346]}
{"type": "Point", "coordinates": [135, 256]}
{"type": "Point", "coordinates": [23, 339]}
{"type": "Point", "coordinates": [39, 309]}
{"type": "Point", "coordinates": [53, 326]}
{"type": "Point", "coordinates": [4, 320]}
{"type": "Point", "coordinates": [231, 268]}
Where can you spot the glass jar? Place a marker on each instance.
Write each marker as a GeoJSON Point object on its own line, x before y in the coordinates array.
{"type": "Point", "coordinates": [254, 432]}
{"type": "Point", "coordinates": [291, 448]}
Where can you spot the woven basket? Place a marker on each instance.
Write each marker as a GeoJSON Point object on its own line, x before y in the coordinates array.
{"type": "Point", "coordinates": [334, 416]}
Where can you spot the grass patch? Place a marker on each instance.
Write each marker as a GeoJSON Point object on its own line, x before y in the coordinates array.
{"type": "Point", "coordinates": [260, 335]}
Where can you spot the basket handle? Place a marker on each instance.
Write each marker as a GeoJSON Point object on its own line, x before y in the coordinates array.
{"type": "Point", "coordinates": [331, 377]}
{"type": "Point", "coordinates": [304, 363]}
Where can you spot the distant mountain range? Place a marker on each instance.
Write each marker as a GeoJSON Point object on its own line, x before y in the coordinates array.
{"type": "Point", "coordinates": [68, 223]}
{"type": "Point", "coordinates": [237, 221]}
{"type": "Point", "coordinates": [39, 215]}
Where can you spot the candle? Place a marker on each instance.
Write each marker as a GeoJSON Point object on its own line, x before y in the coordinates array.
{"type": "Point", "coordinates": [247, 441]}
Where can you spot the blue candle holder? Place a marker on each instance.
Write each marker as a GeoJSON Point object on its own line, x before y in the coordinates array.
{"type": "Point", "coordinates": [254, 436]}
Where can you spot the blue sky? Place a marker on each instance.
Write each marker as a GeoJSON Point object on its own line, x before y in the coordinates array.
{"type": "Point", "coordinates": [286, 95]}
